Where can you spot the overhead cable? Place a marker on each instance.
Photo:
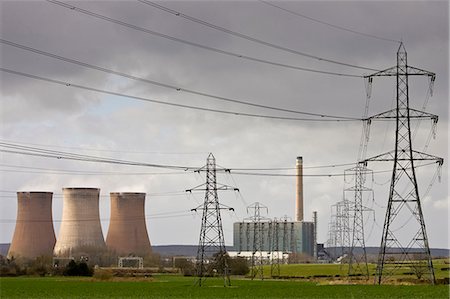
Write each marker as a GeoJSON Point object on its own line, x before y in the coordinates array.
{"type": "Point", "coordinates": [60, 195]}
{"type": "Point", "coordinates": [105, 70]}
{"type": "Point", "coordinates": [249, 38]}
{"type": "Point", "coordinates": [20, 143]}
{"type": "Point", "coordinates": [42, 170]}
{"type": "Point", "coordinates": [220, 51]}
{"type": "Point", "coordinates": [236, 113]}
{"type": "Point", "coordinates": [314, 175]}
{"type": "Point", "coordinates": [39, 152]}
{"type": "Point", "coordinates": [104, 150]}
{"type": "Point", "coordinates": [147, 216]}
{"type": "Point", "coordinates": [329, 24]}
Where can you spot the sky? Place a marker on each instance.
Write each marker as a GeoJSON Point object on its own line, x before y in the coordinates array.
{"type": "Point", "coordinates": [353, 38]}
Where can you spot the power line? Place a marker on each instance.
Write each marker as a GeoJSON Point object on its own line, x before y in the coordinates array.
{"type": "Point", "coordinates": [105, 70]}
{"type": "Point", "coordinates": [18, 143]}
{"type": "Point", "coordinates": [42, 170]}
{"type": "Point", "coordinates": [291, 168]}
{"type": "Point", "coordinates": [313, 175]}
{"type": "Point", "coordinates": [60, 195]}
{"type": "Point", "coordinates": [216, 50]}
{"type": "Point", "coordinates": [328, 24]}
{"type": "Point", "coordinates": [163, 215]}
{"type": "Point", "coordinates": [247, 37]}
{"type": "Point", "coordinates": [102, 150]}
{"type": "Point", "coordinates": [39, 152]}
{"type": "Point", "coordinates": [67, 84]}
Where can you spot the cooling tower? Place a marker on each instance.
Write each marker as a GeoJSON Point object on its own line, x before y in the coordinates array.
{"type": "Point", "coordinates": [34, 234]}
{"type": "Point", "coordinates": [127, 232]}
{"type": "Point", "coordinates": [299, 193]}
{"type": "Point", "coordinates": [80, 226]}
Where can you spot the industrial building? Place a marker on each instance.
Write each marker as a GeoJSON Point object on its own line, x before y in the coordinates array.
{"type": "Point", "coordinates": [127, 233]}
{"type": "Point", "coordinates": [285, 236]}
{"type": "Point", "coordinates": [80, 226]}
{"type": "Point", "coordinates": [34, 234]}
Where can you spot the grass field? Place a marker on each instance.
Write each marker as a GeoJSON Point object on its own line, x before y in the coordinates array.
{"type": "Point", "coordinates": [441, 270]}
{"type": "Point", "coordinates": [173, 286]}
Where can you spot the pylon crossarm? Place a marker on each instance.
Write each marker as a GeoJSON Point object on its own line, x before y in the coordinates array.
{"type": "Point", "coordinates": [404, 156]}
{"type": "Point", "coordinates": [410, 71]}
{"type": "Point", "coordinates": [426, 157]}
{"type": "Point", "coordinates": [196, 188]}
{"type": "Point", "coordinates": [414, 71]}
{"type": "Point", "coordinates": [392, 71]}
{"type": "Point", "coordinates": [403, 112]}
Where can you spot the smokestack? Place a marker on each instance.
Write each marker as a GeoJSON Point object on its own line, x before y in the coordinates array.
{"type": "Point", "coordinates": [127, 233]}
{"type": "Point", "coordinates": [34, 234]}
{"type": "Point", "coordinates": [299, 193]}
{"type": "Point", "coordinates": [80, 226]}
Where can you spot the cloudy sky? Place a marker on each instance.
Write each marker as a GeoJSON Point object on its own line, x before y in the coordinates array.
{"type": "Point", "coordinates": [342, 37]}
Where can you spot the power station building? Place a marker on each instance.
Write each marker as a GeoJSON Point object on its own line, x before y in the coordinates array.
{"type": "Point", "coordinates": [297, 236]}
{"type": "Point", "coordinates": [34, 234]}
{"type": "Point", "coordinates": [284, 236]}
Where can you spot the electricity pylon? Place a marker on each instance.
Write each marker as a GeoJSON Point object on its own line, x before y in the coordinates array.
{"type": "Point", "coordinates": [275, 250]}
{"type": "Point", "coordinates": [211, 253]}
{"type": "Point", "coordinates": [339, 228]}
{"type": "Point", "coordinates": [258, 223]}
{"type": "Point", "coordinates": [404, 241]}
{"type": "Point", "coordinates": [358, 261]}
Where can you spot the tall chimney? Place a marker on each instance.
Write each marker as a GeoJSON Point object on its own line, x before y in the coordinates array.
{"type": "Point", "coordinates": [299, 193]}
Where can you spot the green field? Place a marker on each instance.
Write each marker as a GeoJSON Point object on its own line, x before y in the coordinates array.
{"type": "Point", "coordinates": [306, 281]}
{"type": "Point", "coordinates": [441, 270]}
{"type": "Point", "coordinates": [174, 286]}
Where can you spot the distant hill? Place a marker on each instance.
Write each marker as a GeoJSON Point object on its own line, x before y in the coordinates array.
{"type": "Point", "coordinates": [4, 249]}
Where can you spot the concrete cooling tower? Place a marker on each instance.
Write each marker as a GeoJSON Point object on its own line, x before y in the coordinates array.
{"type": "Point", "coordinates": [127, 232]}
{"type": "Point", "coordinates": [80, 226]}
{"type": "Point", "coordinates": [34, 234]}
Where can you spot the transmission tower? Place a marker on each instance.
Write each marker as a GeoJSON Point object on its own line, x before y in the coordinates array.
{"type": "Point", "coordinates": [404, 241]}
{"type": "Point", "coordinates": [285, 239]}
{"type": "Point", "coordinates": [358, 262]}
{"type": "Point", "coordinates": [331, 241]}
{"type": "Point", "coordinates": [343, 229]}
{"type": "Point", "coordinates": [258, 223]}
{"type": "Point", "coordinates": [275, 250]}
{"type": "Point", "coordinates": [211, 253]}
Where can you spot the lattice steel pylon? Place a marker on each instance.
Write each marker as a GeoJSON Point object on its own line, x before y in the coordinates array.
{"type": "Point", "coordinates": [275, 249]}
{"type": "Point", "coordinates": [339, 230]}
{"type": "Point", "coordinates": [358, 261]}
{"type": "Point", "coordinates": [343, 228]}
{"type": "Point", "coordinates": [408, 248]}
{"type": "Point", "coordinates": [211, 253]}
{"type": "Point", "coordinates": [257, 219]}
